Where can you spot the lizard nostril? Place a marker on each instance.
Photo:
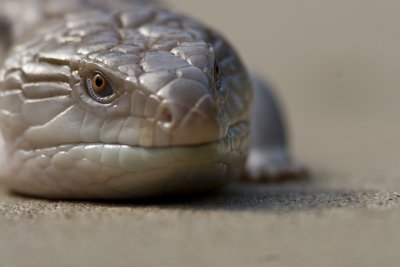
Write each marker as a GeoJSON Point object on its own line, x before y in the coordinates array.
{"type": "Point", "coordinates": [166, 115]}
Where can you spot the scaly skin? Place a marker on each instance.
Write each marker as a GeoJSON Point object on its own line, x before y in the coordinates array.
{"type": "Point", "coordinates": [178, 121]}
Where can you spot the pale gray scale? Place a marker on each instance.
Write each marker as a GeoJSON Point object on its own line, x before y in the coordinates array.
{"type": "Point", "coordinates": [204, 103]}
{"type": "Point", "coordinates": [138, 98]}
{"type": "Point", "coordinates": [127, 49]}
{"type": "Point", "coordinates": [201, 61]}
{"type": "Point", "coordinates": [85, 30]}
{"type": "Point", "coordinates": [11, 64]}
{"type": "Point", "coordinates": [45, 72]}
{"type": "Point", "coordinates": [104, 56]}
{"type": "Point", "coordinates": [11, 101]}
{"type": "Point", "coordinates": [110, 131]}
{"type": "Point", "coordinates": [196, 53]}
{"type": "Point", "coordinates": [93, 48]}
{"type": "Point", "coordinates": [79, 19]}
{"type": "Point", "coordinates": [19, 16]}
{"type": "Point", "coordinates": [154, 81]}
{"type": "Point", "coordinates": [45, 89]}
{"type": "Point", "coordinates": [137, 18]}
{"type": "Point", "coordinates": [69, 39]}
{"type": "Point", "coordinates": [61, 54]}
{"type": "Point", "coordinates": [22, 178]}
{"type": "Point", "coordinates": [193, 118]}
{"type": "Point", "coordinates": [93, 152]}
{"type": "Point", "coordinates": [75, 77]}
{"type": "Point", "coordinates": [160, 60]}
{"type": "Point", "coordinates": [12, 80]}
{"type": "Point", "coordinates": [165, 33]}
{"type": "Point", "coordinates": [165, 45]}
{"type": "Point", "coordinates": [110, 156]}
{"type": "Point", "coordinates": [163, 136]}
{"type": "Point", "coordinates": [132, 82]}
{"type": "Point", "coordinates": [130, 131]}
{"type": "Point", "coordinates": [56, 131]}
{"type": "Point", "coordinates": [147, 135]}
{"type": "Point", "coordinates": [76, 153]}
{"type": "Point", "coordinates": [89, 130]}
{"type": "Point", "coordinates": [95, 128]}
{"type": "Point", "coordinates": [134, 38]}
{"type": "Point", "coordinates": [106, 35]}
{"type": "Point", "coordinates": [12, 123]}
{"type": "Point", "coordinates": [99, 42]}
{"type": "Point", "coordinates": [28, 154]}
{"type": "Point", "coordinates": [193, 73]}
{"type": "Point", "coordinates": [126, 161]}
{"type": "Point", "coordinates": [132, 71]}
{"type": "Point", "coordinates": [88, 167]}
{"type": "Point", "coordinates": [121, 107]}
{"type": "Point", "coordinates": [34, 113]}
{"type": "Point", "coordinates": [93, 55]}
{"type": "Point", "coordinates": [151, 106]}
{"type": "Point", "coordinates": [65, 182]}
{"type": "Point", "coordinates": [141, 163]}
{"type": "Point", "coordinates": [117, 59]}
{"type": "Point", "coordinates": [178, 90]}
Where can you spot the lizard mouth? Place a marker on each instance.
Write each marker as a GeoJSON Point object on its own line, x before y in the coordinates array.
{"type": "Point", "coordinates": [120, 171]}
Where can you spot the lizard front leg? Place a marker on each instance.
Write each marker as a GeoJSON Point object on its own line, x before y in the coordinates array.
{"type": "Point", "coordinates": [269, 158]}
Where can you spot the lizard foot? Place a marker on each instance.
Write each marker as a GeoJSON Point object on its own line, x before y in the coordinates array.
{"type": "Point", "coordinates": [272, 166]}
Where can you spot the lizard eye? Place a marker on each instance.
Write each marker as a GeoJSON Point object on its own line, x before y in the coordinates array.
{"type": "Point", "coordinates": [99, 88]}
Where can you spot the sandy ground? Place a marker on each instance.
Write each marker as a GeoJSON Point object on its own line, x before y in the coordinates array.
{"type": "Point", "coordinates": [336, 67]}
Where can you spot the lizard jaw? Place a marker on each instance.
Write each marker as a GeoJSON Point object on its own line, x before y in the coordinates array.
{"type": "Point", "coordinates": [93, 171]}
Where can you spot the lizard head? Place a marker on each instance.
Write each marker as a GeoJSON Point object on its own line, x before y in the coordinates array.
{"type": "Point", "coordinates": [136, 93]}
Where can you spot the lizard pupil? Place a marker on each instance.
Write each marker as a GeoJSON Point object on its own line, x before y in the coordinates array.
{"type": "Point", "coordinates": [99, 81]}
{"type": "Point", "coordinates": [99, 84]}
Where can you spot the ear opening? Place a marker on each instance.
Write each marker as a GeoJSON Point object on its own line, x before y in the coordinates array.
{"type": "Point", "coordinates": [6, 34]}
